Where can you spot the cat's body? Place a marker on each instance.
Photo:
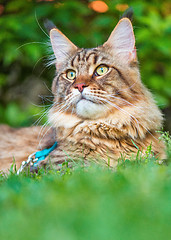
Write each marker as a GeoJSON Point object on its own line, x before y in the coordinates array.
{"type": "Point", "coordinates": [101, 108]}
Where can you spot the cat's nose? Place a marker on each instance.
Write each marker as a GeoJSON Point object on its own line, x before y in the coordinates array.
{"type": "Point", "coordinates": [80, 86]}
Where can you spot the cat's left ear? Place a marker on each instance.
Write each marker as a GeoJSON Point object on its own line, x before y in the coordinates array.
{"type": "Point", "coordinates": [62, 46]}
{"type": "Point", "coordinates": [122, 41]}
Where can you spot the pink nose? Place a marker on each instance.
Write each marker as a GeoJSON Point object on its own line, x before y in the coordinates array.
{"type": "Point", "coordinates": [80, 86]}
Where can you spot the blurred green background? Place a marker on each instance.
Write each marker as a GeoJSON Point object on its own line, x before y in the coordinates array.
{"type": "Point", "coordinates": [25, 80]}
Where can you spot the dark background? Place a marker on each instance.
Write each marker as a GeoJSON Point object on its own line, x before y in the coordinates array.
{"type": "Point", "coordinates": [25, 79]}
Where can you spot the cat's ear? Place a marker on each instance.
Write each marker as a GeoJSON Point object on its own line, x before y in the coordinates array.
{"type": "Point", "coordinates": [61, 45]}
{"type": "Point", "coordinates": [122, 41]}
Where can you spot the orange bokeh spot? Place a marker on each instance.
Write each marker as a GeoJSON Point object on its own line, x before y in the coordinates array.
{"type": "Point", "coordinates": [1, 9]}
{"type": "Point", "coordinates": [98, 6]}
{"type": "Point", "coordinates": [122, 7]}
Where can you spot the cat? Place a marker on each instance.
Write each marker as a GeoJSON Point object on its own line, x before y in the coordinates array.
{"type": "Point", "coordinates": [101, 109]}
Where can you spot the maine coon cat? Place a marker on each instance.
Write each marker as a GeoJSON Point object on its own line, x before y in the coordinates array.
{"type": "Point", "coordinates": [101, 109]}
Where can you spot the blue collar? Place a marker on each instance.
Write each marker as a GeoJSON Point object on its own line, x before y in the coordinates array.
{"type": "Point", "coordinates": [41, 155]}
{"type": "Point", "coordinates": [35, 158]}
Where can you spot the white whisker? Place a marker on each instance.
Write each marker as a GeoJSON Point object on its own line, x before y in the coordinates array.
{"type": "Point", "coordinates": [124, 111]}
{"type": "Point", "coordinates": [25, 44]}
{"type": "Point", "coordinates": [38, 62]}
{"type": "Point", "coordinates": [41, 117]}
{"type": "Point", "coordinates": [122, 99]}
{"type": "Point", "coordinates": [48, 89]}
{"type": "Point", "coordinates": [40, 25]}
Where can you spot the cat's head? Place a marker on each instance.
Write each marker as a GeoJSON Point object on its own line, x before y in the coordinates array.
{"type": "Point", "coordinates": [90, 83]}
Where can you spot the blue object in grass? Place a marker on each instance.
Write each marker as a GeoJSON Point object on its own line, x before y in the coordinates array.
{"type": "Point", "coordinates": [41, 155]}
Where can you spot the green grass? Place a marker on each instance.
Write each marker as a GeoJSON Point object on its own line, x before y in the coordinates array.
{"type": "Point", "coordinates": [132, 202]}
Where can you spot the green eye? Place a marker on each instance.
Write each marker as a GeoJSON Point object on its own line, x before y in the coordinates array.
{"type": "Point", "coordinates": [71, 75]}
{"type": "Point", "coordinates": [101, 70]}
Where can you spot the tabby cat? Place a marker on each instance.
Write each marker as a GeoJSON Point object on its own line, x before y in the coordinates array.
{"type": "Point", "coordinates": [101, 109]}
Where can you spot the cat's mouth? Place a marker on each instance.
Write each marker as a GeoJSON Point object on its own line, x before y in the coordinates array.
{"type": "Point", "coordinates": [84, 98]}
{"type": "Point", "coordinates": [89, 109]}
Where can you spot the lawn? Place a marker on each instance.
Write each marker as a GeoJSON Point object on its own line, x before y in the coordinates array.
{"type": "Point", "coordinates": [132, 202]}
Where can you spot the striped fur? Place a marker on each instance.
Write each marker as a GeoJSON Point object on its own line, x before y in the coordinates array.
{"type": "Point", "coordinates": [94, 117]}
{"type": "Point", "coordinates": [115, 114]}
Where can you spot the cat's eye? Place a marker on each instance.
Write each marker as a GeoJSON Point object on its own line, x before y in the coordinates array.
{"type": "Point", "coordinates": [101, 70]}
{"type": "Point", "coordinates": [71, 74]}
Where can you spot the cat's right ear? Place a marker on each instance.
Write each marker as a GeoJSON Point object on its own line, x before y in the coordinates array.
{"type": "Point", "coordinates": [61, 45]}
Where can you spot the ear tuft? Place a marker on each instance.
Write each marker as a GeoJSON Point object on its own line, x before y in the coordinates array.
{"type": "Point", "coordinates": [129, 12]}
{"type": "Point", "coordinates": [49, 25]}
{"type": "Point", "coordinates": [122, 40]}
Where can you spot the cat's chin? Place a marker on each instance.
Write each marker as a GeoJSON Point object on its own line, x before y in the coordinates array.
{"type": "Point", "coordinates": [89, 109]}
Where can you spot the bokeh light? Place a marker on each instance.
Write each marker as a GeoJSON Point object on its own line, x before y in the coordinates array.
{"type": "Point", "coordinates": [99, 6]}
{"type": "Point", "coordinates": [122, 7]}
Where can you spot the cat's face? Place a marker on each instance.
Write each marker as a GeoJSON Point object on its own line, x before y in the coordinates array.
{"type": "Point", "coordinates": [93, 82]}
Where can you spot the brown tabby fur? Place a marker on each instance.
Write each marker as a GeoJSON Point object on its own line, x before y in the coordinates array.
{"type": "Point", "coordinates": [114, 114]}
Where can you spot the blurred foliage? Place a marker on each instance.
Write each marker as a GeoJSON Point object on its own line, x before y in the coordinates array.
{"type": "Point", "coordinates": [88, 203]}
{"type": "Point", "coordinates": [23, 54]}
